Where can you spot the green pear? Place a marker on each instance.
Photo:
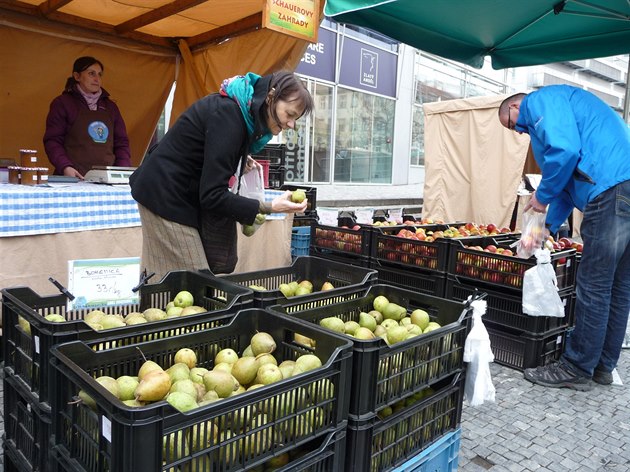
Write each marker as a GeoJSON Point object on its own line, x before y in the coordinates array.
{"type": "Point", "coordinates": [306, 362]}
{"type": "Point", "coordinates": [154, 314]}
{"type": "Point", "coordinates": [153, 387]}
{"type": "Point", "coordinates": [55, 318]}
{"type": "Point", "coordinates": [378, 316]}
{"type": "Point", "coordinates": [111, 321]}
{"type": "Point", "coordinates": [186, 356]}
{"type": "Point", "coordinates": [380, 303]}
{"type": "Point", "coordinates": [351, 326]}
{"type": "Point", "coordinates": [333, 323]}
{"type": "Point", "coordinates": [227, 355]}
{"type": "Point", "coordinates": [397, 334]}
{"type": "Point", "coordinates": [367, 321]}
{"type": "Point", "coordinates": [146, 367]}
{"type": "Point", "coordinates": [432, 326]}
{"type": "Point", "coordinates": [126, 387]}
{"type": "Point", "coordinates": [196, 374]}
{"type": "Point", "coordinates": [178, 371]}
{"type": "Point", "coordinates": [221, 382]}
{"type": "Point", "coordinates": [364, 333]}
{"type": "Point", "coordinates": [110, 384]}
{"type": "Point", "coordinates": [93, 316]}
{"type": "Point", "coordinates": [420, 318]}
{"type": "Point", "coordinates": [186, 386]}
{"type": "Point", "coordinates": [302, 290]}
{"type": "Point", "coordinates": [244, 370]}
{"type": "Point", "coordinates": [393, 311]}
{"type": "Point", "coordinates": [174, 312]}
{"type": "Point", "coordinates": [286, 290]}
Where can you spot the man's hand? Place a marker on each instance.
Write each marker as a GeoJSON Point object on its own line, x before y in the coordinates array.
{"type": "Point", "coordinates": [535, 205]}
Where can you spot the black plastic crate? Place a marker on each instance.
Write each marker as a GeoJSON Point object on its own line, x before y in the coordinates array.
{"type": "Point", "coordinates": [336, 240]}
{"type": "Point", "coordinates": [504, 271]}
{"type": "Point", "coordinates": [323, 454]}
{"type": "Point", "coordinates": [305, 220]}
{"type": "Point", "coordinates": [27, 426]}
{"type": "Point", "coordinates": [506, 309]}
{"type": "Point", "coordinates": [342, 276]}
{"type": "Point", "coordinates": [311, 195]}
{"type": "Point", "coordinates": [382, 444]}
{"type": "Point", "coordinates": [28, 354]}
{"type": "Point", "coordinates": [397, 245]}
{"type": "Point", "coordinates": [121, 438]}
{"type": "Point", "coordinates": [274, 153]}
{"type": "Point", "coordinates": [276, 176]}
{"type": "Point", "coordinates": [356, 261]}
{"type": "Point", "coordinates": [425, 281]}
{"type": "Point", "coordinates": [382, 374]}
{"type": "Point", "coordinates": [524, 350]}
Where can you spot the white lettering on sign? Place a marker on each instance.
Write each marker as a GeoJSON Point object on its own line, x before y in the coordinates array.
{"type": "Point", "coordinates": [369, 68]}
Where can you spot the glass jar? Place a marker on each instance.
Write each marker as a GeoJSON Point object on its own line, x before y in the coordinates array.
{"type": "Point", "coordinates": [42, 175]}
{"type": "Point", "coordinates": [28, 176]}
{"type": "Point", "coordinates": [28, 157]}
{"type": "Point", "coordinates": [14, 174]}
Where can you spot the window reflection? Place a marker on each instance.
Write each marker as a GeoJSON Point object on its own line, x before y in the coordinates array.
{"type": "Point", "coordinates": [363, 138]}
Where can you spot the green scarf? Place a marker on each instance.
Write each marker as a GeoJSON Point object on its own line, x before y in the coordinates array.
{"type": "Point", "coordinates": [241, 89]}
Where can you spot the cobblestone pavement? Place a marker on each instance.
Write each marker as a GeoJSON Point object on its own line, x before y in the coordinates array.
{"type": "Point", "coordinates": [534, 428]}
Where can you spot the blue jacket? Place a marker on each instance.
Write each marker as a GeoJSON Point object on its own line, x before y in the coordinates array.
{"type": "Point", "coordinates": [580, 144]}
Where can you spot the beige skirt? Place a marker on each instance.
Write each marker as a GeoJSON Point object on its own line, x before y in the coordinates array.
{"type": "Point", "coordinates": [169, 246]}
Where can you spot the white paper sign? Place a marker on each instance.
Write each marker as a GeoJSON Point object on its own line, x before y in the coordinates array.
{"type": "Point", "coordinates": [365, 216]}
{"type": "Point", "coordinates": [103, 282]}
{"type": "Point", "coordinates": [395, 214]}
{"type": "Point", "coordinates": [327, 216]}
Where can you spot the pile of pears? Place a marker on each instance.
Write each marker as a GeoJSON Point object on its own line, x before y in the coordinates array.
{"type": "Point", "coordinates": [387, 320]}
{"type": "Point", "coordinates": [187, 386]}
{"type": "Point", "coordinates": [52, 317]}
{"type": "Point", "coordinates": [181, 305]}
{"type": "Point", "coordinates": [304, 287]}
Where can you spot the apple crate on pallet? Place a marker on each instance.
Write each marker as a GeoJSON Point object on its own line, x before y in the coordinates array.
{"type": "Point", "coordinates": [383, 374]}
{"type": "Point", "coordinates": [389, 440]}
{"type": "Point", "coordinates": [343, 277]}
{"type": "Point", "coordinates": [245, 430]}
{"type": "Point", "coordinates": [29, 336]}
{"type": "Point", "coordinates": [493, 263]}
{"type": "Point", "coordinates": [342, 240]}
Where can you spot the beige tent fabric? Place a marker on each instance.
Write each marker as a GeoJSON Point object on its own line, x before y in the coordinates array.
{"type": "Point", "coordinates": [473, 165]}
{"type": "Point", "coordinates": [262, 51]}
{"type": "Point", "coordinates": [37, 59]}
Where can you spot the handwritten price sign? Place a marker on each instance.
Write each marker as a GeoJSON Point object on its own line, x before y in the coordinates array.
{"type": "Point", "coordinates": [103, 282]}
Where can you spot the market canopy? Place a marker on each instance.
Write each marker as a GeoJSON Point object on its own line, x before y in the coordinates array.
{"type": "Point", "coordinates": [145, 46]}
{"type": "Point", "coordinates": [512, 33]}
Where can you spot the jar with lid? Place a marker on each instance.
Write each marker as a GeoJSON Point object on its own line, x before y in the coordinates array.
{"type": "Point", "coordinates": [28, 176]}
{"type": "Point", "coordinates": [42, 175]}
{"type": "Point", "coordinates": [14, 174]}
{"type": "Point", "coordinates": [28, 157]}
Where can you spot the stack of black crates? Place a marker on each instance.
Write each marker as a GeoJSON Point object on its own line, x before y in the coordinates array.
{"type": "Point", "coordinates": [275, 155]}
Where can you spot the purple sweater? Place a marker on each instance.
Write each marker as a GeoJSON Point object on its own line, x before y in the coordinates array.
{"type": "Point", "coordinates": [63, 112]}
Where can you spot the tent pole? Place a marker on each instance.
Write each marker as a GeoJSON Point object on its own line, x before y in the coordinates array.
{"type": "Point", "coordinates": [626, 101]}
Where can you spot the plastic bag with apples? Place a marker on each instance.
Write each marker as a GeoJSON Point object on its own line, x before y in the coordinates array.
{"type": "Point", "coordinates": [532, 235]}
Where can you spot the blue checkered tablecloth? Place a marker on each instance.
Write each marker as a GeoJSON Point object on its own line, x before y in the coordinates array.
{"type": "Point", "coordinates": [29, 210]}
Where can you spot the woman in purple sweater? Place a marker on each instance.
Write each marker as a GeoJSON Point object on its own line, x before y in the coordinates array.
{"type": "Point", "coordinates": [84, 127]}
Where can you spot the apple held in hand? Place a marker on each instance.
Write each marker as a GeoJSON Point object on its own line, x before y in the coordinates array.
{"type": "Point", "coordinates": [183, 299]}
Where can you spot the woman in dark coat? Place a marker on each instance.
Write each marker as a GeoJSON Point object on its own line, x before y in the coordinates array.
{"type": "Point", "coordinates": [188, 213]}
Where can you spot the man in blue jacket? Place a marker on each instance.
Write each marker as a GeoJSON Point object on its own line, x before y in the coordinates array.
{"type": "Point", "coordinates": [583, 150]}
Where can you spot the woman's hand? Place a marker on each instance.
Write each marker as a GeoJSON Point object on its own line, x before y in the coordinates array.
{"type": "Point", "coordinates": [283, 204]}
{"type": "Point", "coordinates": [250, 164]}
{"type": "Point", "coordinates": [72, 172]}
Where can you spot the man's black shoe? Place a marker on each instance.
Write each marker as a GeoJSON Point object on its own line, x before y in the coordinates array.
{"type": "Point", "coordinates": [557, 375]}
{"type": "Point", "coordinates": [602, 377]}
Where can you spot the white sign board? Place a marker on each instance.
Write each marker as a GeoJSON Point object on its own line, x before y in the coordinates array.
{"type": "Point", "coordinates": [103, 282]}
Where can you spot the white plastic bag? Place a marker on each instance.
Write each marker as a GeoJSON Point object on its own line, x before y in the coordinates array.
{"type": "Point", "coordinates": [532, 234]}
{"type": "Point", "coordinates": [540, 288]}
{"type": "Point", "coordinates": [477, 352]}
{"type": "Point", "coordinates": [252, 185]}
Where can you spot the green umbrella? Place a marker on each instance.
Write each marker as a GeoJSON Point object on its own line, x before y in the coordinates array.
{"type": "Point", "coordinates": [512, 32]}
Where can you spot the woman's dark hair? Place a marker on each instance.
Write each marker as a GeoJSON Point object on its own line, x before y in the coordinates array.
{"type": "Point", "coordinates": [285, 84]}
{"type": "Point", "coordinates": [81, 64]}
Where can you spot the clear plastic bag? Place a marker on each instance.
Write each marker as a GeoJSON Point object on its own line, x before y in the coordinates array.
{"type": "Point", "coordinates": [532, 234]}
{"type": "Point", "coordinates": [252, 185]}
{"type": "Point", "coordinates": [478, 354]}
{"type": "Point", "coordinates": [540, 288]}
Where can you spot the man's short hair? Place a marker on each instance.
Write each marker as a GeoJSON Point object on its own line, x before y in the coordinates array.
{"type": "Point", "coordinates": [508, 101]}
